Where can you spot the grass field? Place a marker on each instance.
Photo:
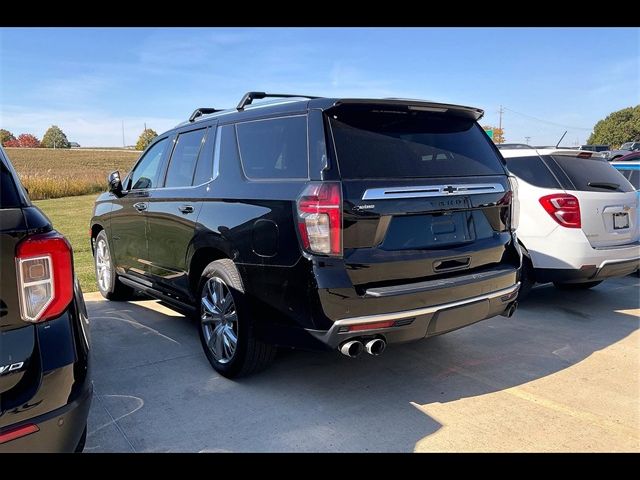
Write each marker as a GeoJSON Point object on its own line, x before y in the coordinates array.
{"type": "Point", "coordinates": [54, 173]}
{"type": "Point", "coordinates": [70, 216]}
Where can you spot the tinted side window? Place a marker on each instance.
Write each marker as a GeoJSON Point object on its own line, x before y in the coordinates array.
{"type": "Point", "coordinates": [184, 158]}
{"type": "Point", "coordinates": [532, 170]}
{"type": "Point", "coordinates": [204, 168]}
{"type": "Point", "coordinates": [146, 173]}
{"type": "Point", "coordinates": [592, 175]}
{"type": "Point", "coordinates": [274, 148]}
{"type": "Point", "coordinates": [8, 194]}
{"type": "Point", "coordinates": [634, 178]}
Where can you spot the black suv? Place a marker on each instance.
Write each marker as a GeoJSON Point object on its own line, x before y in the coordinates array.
{"type": "Point", "coordinates": [45, 389]}
{"type": "Point", "coordinates": [314, 223]}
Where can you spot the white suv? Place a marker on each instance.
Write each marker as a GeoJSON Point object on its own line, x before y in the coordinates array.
{"type": "Point", "coordinates": [578, 218]}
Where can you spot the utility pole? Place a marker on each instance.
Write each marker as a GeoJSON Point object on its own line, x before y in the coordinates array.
{"type": "Point", "coordinates": [123, 144]}
{"type": "Point", "coordinates": [145, 126]}
{"type": "Point", "coordinates": [500, 112]}
{"type": "Point", "coordinates": [527, 139]}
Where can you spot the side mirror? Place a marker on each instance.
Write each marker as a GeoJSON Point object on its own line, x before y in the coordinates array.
{"type": "Point", "coordinates": [115, 184]}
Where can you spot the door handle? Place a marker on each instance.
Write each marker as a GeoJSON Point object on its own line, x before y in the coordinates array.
{"type": "Point", "coordinates": [186, 208]}
{"type": "Point", "coordinates": [140, 206]}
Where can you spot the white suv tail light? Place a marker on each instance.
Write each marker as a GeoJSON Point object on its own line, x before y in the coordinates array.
{"type": "Point", "coordinates": [320, 218]}
{"type": "Point", "coordinates": [563, 208]}
{"type": "Point", "coordinates": [45, 276]}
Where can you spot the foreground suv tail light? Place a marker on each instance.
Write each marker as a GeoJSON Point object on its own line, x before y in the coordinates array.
{"type": "Point", "coordinates": [563, 208]}
{"type": "Point", "coordinates": [515, 203]}
{"type": "Point", "coordinates": [320, 217]}
{"type": "Point", "coordinates": [45, 276]}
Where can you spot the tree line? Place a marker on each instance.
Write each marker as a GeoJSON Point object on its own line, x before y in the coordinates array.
{"type": "Point", "coordinates": [54, 137]}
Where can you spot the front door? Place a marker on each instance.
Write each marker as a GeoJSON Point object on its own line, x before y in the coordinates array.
{"type": "Point", "coordinates": [128, 217]}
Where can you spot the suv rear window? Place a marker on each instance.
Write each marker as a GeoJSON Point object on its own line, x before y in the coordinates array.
{"type": "Point", "coordinates": [275, 148]}
{"type": "Point", "coordinates": [8, 194]}
{"type": "Point", "coordinates": [380, 143]}
{"type": "Point", "coordinates": [533, 171]}
{"type": "Point", "coordinates": [592, 175]}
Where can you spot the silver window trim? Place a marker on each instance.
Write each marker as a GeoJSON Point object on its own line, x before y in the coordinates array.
{"type": "Point", "coordinates": [444, 190]}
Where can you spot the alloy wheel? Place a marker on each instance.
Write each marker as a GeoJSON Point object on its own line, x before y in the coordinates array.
{"type": "Point", "coordinates": [103, 265]}
{"type": "Point", "coordinates": [219, 320]}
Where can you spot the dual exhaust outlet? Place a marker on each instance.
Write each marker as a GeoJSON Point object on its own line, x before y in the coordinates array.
{"type": "Point", "coordinates": [353, 348]}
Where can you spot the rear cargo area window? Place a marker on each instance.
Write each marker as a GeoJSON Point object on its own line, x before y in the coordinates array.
{"type": "Point", "coordinates": [592, 175]}
{"type": "Point", "coordinates": [533, 171]}
{"type": "Point", "coordinates": [380, 143]}
{"type": "Point", "coordinates": [8, 193]}
{"type": "Point", "coordinates": [274, 148]}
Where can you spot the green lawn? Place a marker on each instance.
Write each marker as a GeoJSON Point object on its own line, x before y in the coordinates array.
{"type": "Point", "coordinates": [71, 216]}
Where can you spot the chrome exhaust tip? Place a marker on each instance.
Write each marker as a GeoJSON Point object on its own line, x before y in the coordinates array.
{"type": "Point", "coordinates": [375, 347]}
{"type": "Point", "coordinates": [510, 310]}
{"type": "Point", "coordinates": [352, 348]}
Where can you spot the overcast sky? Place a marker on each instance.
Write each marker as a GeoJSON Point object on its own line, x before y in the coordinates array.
{"type": "Point", "coordinates": [89, 81]}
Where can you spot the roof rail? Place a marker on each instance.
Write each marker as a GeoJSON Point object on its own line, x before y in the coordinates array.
{"type": "Point", "coordinates": [249, 97]}
{"type": "Point", "coordinates": [202, 111]}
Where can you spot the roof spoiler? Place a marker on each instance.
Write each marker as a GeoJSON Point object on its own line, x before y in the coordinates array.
{"type": "Point", "coordinates": [418, 105]}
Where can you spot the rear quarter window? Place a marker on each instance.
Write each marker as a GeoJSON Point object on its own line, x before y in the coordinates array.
{"type": "Point", "coordinates": [533, 171]}
{"type": "Point", "coordinates": [274, 148]}
{"type": "Point", "coordinates": [9, 197]}
{"type": "Point", "coordinates": [383, 143]}
{"type": "Point", "coordinates": [592, 175]}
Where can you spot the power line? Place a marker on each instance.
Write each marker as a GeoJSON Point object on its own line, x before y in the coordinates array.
{"type": "Point", "coordinates": [546, 121]}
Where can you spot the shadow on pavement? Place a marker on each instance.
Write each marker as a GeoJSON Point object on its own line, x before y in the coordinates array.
{"type": "Point", "coordinates": [152, 362]}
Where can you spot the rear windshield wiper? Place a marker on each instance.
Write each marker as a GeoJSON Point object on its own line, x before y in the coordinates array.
{"type": "Point", "coordinates": [605, 185]}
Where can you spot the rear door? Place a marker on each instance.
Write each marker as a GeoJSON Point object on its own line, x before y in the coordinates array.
{"type": "Point", "coordinates": [608, 202]}
{"type": "Point", "coordinates": [425, 194]}
{"type": "Point", "coordinates": [17, 338]}
{"type": "Point", "coordinates": [174, 208]}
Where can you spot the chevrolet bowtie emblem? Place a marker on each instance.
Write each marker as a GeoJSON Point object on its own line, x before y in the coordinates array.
{"type": "Point", "coordinates": [450, 189]}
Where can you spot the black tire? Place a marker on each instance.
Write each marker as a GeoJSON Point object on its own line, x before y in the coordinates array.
{"type": "Point", "coordinates": [82, 442]}
{"type": "Point", "coordinates": [114, 289]}
{"type": "Point", "coordinates": [576, 286]}
{"type": "Point", "coordinates": [249, 354]}
{"type": "Point", "coordinates": [527, 278]}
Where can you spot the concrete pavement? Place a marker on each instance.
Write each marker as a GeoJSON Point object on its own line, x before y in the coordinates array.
{"type": "Point", "coordinates": [561, 375]}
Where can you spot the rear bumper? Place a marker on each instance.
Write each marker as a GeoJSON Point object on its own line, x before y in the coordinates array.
{"type": "Point", "coordinates": [607, 269]}
{"type": "Point", "coordinates": [421, 322]}
{"type": "Point", "coordinates": [59, 430]}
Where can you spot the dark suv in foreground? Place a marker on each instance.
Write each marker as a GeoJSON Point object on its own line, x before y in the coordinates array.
{"type": "Point", "coordinates": [45, 389]}
{"type": "Point", "coordinates": [315, 223]}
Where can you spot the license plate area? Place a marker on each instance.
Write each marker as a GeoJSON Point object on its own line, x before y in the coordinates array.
{"type": "Point", "coordinates": [429, 231]}
{"type": "Point", "coordinates": [620, 221]}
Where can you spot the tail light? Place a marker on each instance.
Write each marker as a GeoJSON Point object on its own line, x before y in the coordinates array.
{"type": "Point", "coordinates": [515, 203]}
{"type": "Point", "coordinates": [320, 218]}
{"type": "Point", "coordinates": [563, 208]}
{"type": "Point", "coordinates": [45, 276]}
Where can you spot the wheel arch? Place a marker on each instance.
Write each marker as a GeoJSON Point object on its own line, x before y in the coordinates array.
{"type": "Point", "coordinates": [202, 257]}
{"type": "Point", "coordinates": [96, 228]}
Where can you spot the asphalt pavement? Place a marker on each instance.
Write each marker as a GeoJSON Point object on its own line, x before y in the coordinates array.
{"type": "Point", "coordinates": [561, 375]}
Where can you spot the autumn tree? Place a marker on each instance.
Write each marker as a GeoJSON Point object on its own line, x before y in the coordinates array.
{"type": "Point", "coordinates": [146, 137]}
{"type": "Point", "coordinates": [24, 140]}
{"type": "Point", "coordinates": [617, 128]}
{"type": "Point", "coordinates": [5, 136]}
{"type": "Point", "coordinates": [498, 133]}
{"type": "Point", "coordinates": [54, 137]}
